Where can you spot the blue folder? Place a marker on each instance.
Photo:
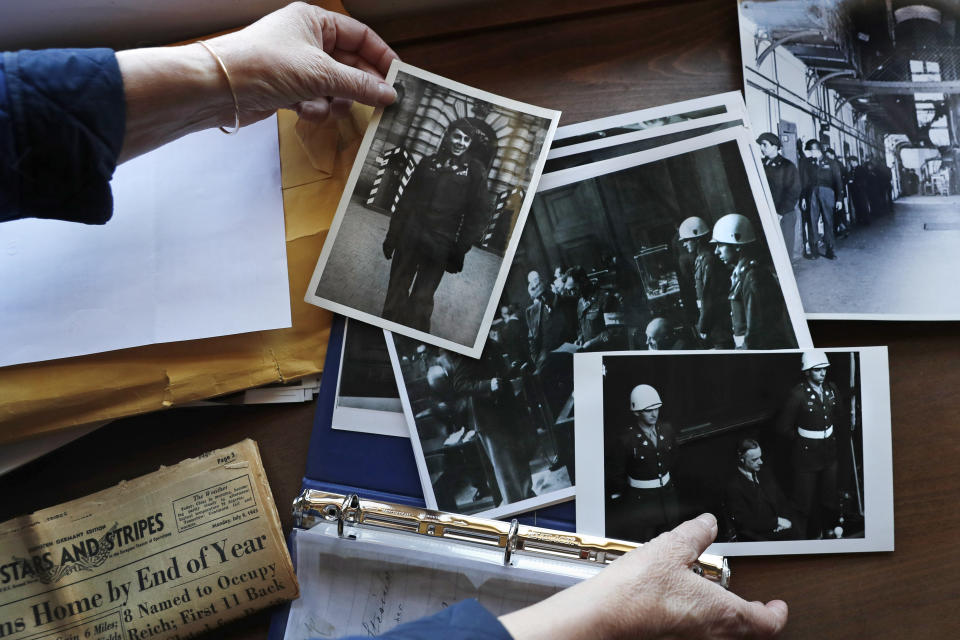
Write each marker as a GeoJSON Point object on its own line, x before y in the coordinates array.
{"type": "Point", "coordinates": [373, 466]}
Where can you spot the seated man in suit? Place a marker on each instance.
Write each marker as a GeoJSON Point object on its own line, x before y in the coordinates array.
{"type": "Point", "coordinates": [754, 502]}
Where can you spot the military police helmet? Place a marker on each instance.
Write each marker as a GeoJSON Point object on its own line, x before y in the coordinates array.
{"type": "Point", "coordinates": [693, 227]}
{"type": "Point", "coordinates": [813, 360]}
{"type": "Point", "coordinates": [733, 228]}
{"type": "Point", "coordinates": [644, 397]}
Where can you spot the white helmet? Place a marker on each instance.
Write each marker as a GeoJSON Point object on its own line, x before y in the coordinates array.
{"type": "Point", "coordinates": [693, 227]}
{"type": "Point", "coordinates": [733, 228]}
{"type": "Point", "coordinates": [813, 360]}
{"type": "Point", "coordinates": [644, 397]}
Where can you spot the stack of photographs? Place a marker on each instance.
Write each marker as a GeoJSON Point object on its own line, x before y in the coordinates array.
{"type": "Point", "coordinates": [652, 235]}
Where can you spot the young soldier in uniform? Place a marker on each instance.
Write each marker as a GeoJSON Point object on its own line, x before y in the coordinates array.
{"type": "Point", "coordinates": [440, 215]}
{"type": "Point", "coordinates": [784, 179]}
{"type": "Point", "coordinates": [822, 192]}
{"type": "Point", "coordinates": [712, 281]}
{"type": "Point", "coordinates": [808, 421]}
{"type": "Point", "coordinates": [648, 453]}
{"type": "Point", "coordinates": [757, 309]}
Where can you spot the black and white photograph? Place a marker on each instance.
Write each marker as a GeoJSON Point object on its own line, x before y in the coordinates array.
{"type": "Point", "coordinates": [790, 450]}
{"type": "Point", "coordinates": [432, 211]}
{"type": "Point", "coordinates": [856, 107]}
{"type": "Point", "coordinates": [367, 399]}
{"type": "Point", "coordinates": [484, 438]}
{"type": "Point", "coordinates": [671, 248]}
{"type": "Point", "coordinates": [585, 142]}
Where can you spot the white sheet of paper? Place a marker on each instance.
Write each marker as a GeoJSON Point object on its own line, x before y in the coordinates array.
{"type": "Point", "coordinates": [195, 249]}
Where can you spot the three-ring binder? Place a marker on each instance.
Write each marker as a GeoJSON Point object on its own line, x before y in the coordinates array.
{"type": "Point", "coordinates": [312, 507]}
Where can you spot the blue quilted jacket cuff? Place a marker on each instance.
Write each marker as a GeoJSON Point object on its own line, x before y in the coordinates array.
{"type": "Point", "coordinates": [62, 120]}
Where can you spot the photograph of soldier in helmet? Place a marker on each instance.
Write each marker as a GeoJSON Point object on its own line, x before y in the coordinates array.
{"type": "Point", "coordinates": [809, 423]}
{"type": "Point", "coordinates": [756, 304]}
{"type": "Point", "coordinates": [435, 201]}
{"type": "Point", "coordinates": [771, 443]}
{"type": "Point", "coordinates": [647, 453]}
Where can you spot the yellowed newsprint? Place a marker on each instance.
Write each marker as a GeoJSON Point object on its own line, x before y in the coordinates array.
{"type": "Point", "coordinates": [168, 555]}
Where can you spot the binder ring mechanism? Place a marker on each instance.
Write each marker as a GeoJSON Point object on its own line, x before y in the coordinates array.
{"type": "Point", "coordinates": [312, 507]}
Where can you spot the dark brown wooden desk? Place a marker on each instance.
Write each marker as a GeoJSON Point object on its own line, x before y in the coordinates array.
{"type": "Point", "coordinates": [617, 58]}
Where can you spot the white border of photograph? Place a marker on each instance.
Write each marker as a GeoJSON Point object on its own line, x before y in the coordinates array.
{"type": "Point", "coordinates": [877, 453]}
{"type": "Point", "coordinates": [381, 423]}
{"type": "Point", "coordinates": [731, 101]}
{"type": "Point", "coordinates": [481, 337]}
{"type": "Point", "coordinates": [523, 506]}
{"type": "Point", "coordinates": [771, 228]}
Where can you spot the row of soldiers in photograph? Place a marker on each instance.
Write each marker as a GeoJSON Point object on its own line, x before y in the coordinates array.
{"type": "Point", "coordinates": [824, 191]}
{"type": "Point", "coordinates": [643, 500]}
{"type": "Point", "coordinates": [739, 303]}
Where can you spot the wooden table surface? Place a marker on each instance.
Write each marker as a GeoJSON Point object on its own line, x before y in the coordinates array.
{"type": "Point", "coordinates": [617, 58]}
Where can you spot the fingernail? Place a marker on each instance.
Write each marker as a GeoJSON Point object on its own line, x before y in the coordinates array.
{"type": "Point", "coordinates": [387, 93]}
{"type": "Point", "coordinates": [708, 519]}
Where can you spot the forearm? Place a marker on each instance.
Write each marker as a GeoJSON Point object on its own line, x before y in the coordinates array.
{"type": "Point", "coordinates": [299, 57]}
{"type": "Point", "coordinates": [570, 615]}
{"type": "Point", "coordinates": [170, 92]}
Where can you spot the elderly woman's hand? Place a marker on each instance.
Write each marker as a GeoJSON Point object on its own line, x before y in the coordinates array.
{"type": "Point", "coordinates": [303, 57]}
{"type": "Point", "coordinates": [300, 57]}
{"type": "Point", "coordinates": [651, 593]}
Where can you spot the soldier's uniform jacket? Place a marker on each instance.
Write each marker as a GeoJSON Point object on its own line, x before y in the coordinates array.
{"type": "Point", "coordinates": [757, 308]}
{"type": "Point", "coordinates": [643, 460]}
{"type": "Point", "coordinates": [443, 210]}
{"type": "Point", "coordinates": [784, 179]}
{"type": "Point", "coordinates": [805, 409]}
{"type": "Point", "coordinates": [590, 313]}
{"type": "Point", "coordinates": [822, 173]}
{"type": "Point", "coordinates": [710, 277]}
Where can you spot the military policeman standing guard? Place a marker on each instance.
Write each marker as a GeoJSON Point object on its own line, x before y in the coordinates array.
{"type": "Point", "coordinates": [808, 421]}
{"type": "Point", "coordinates": [712, 282]}
{"type": "Point", "coordinates": [784, 179]}
{"type": "Point", "coordinates": [822, 192]}
{"type": "Point", "coordinates": [757, 309]}
{"type": "Point", "coordinates": [648, 451]}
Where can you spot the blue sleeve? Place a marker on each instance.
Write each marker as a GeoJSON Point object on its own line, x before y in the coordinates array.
{"type": "Point", "coordinates": [466, 620]}
{"type": "Point", "coordinates": [62, 120]}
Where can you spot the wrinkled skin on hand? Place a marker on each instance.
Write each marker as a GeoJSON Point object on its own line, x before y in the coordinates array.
{"type": "Point", "coordinates": [308, 59]}
{"type": "Point", "coordinates": [651, 593]}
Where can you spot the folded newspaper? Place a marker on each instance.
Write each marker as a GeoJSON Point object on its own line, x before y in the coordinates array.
{"type": "Point", "coordinates": [167, 555]}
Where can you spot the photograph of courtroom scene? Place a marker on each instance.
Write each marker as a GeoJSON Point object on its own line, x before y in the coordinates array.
{"type": "Point", "coordinates": [611, 262]}
{"type": "Point", "coordinates": [366, 375]}
{"type": "Point", "coordinates": [433, 210]}
{"type": "Point", "coordinates": [857, 107]}
{"type": "Point", "coordinates": [484, 444]}
{"type": "Point", "coordinates": [770, 443]}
